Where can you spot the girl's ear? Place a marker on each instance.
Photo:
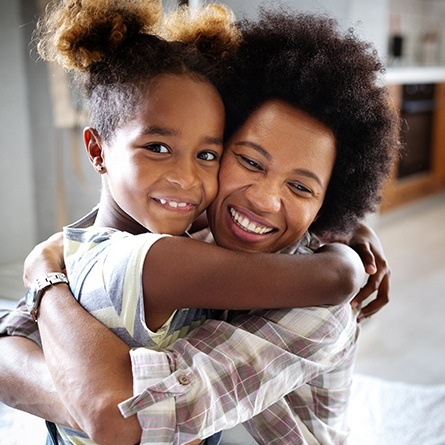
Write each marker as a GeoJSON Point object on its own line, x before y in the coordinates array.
{"type": "Point", "coordinates": [93, 146]}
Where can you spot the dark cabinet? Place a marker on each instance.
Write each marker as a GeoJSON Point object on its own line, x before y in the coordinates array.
{"type": "Point", "coordinates": [421, 172]}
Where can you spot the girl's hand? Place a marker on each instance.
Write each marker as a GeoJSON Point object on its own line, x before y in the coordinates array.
{"type": "Point", "coordinates": [366, 243]}
{"type": "Point", "coordinates": [45, 258]}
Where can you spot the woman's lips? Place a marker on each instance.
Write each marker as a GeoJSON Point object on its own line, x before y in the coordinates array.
{"type": "Point", "coordinates": [249, 225]}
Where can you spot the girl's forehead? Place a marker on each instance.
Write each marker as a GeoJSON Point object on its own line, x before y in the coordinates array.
{"type": "Point", "coordinates": [176, 105]}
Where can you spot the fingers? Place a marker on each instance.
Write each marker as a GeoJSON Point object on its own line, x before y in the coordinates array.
{"type": "Point", "coordinates": [365, 253]}
{"type": "Point", "coordinates": [381, 299]}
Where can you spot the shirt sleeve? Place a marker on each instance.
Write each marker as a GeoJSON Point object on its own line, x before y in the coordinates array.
{"type": "Point", "coordinates": [18, 322]}
{"type": "Point", "coordinates": [224, 374]}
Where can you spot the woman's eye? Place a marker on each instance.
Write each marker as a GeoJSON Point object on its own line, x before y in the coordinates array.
{"type": "Point", "coordinates": [299, 188]}
{"type": "Point", "coordinates": [158, 148]}
{"type": "Point", "coordinates": [249, 163]}
{"type": "Point", "coordinates": [207, 156]}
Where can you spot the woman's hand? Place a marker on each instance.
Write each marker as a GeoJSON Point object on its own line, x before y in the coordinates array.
{"type": "Point", "coordinates": [45, 258]}
{"type": "Point", "coordinates": [366, 243]}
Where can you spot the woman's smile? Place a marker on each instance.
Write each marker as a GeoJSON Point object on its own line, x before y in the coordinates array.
{"type": "Point", "coordinates": [272, 181]}
{"type": "Point", "coordinates": [248, 224]}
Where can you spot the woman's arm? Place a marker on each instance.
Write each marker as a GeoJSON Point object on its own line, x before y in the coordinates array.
{"type": "Point", "coordinates": [25, 381]}
{"type": "Point", "coordinates": [367, 244]}
{"type": "Point", "coordinates": [90, 366]}
{"type": "Point", "coordinates": [86, 345]}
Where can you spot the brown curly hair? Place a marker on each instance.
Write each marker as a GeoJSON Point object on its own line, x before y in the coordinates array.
{"type": "Point", "coordinates": [305, 61]}
{"type": "Point", "coordinates": [116, 48]}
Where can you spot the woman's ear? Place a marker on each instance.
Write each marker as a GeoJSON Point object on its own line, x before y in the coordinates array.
{"type": "Point", "coordinates": [93, 146]}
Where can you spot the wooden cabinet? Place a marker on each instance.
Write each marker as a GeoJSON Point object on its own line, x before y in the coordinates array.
{"type": "Point", "coordinates": [400, 191]}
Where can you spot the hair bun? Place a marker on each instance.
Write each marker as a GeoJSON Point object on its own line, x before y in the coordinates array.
{"type": "Point", "coordinates": [211, 28]}
{"type": "Point", "coordinates": [78, 33]}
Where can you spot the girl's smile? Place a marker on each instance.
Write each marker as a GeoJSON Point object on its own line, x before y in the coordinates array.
{"type": "Point", "coordinates": [161, 167]}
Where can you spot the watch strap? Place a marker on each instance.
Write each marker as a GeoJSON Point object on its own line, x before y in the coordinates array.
{"type": "Point", "coordinates": [41, 284]}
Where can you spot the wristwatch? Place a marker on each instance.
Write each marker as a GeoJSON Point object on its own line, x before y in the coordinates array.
{"type": "Point", "coordinates": [35, 292]}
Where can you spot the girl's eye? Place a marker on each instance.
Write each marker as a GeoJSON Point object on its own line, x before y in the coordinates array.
{"type": "Point", "coordinates": [158, 148]}
{"type": "Point", "coordinates": [247, 162]}
{"type": "Point", "coordinates": [207, 156]}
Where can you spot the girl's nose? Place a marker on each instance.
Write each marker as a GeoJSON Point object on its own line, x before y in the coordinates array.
{"type": "Point", "coordinates": [184, 173]}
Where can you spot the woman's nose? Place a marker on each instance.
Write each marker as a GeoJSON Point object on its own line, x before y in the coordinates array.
{"type": "Point", "coordinates": [264, 196]}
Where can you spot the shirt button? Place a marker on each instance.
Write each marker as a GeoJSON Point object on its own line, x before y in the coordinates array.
{"type": "Point", "coordinates": [184, 379]}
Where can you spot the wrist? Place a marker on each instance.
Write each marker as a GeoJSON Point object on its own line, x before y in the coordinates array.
{"type": "Point", "coordinates": [38, 288]}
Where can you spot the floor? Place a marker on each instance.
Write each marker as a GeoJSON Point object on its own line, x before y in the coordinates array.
{"type": "Point", "coordinates": [404, 342]}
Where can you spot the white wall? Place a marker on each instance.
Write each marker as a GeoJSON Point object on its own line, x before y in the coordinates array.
{"type": "Point", "coordinates": [17, 200]}
{"type": "Point", "coordinates": [418, 17]}
{"type": "Point", "coordinates": [45, 179]}
{"type": "Point", "coordinates": [370, 18]}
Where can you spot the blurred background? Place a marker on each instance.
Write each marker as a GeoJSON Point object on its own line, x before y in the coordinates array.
{"type": "Point", "coordinates": [46, 181]}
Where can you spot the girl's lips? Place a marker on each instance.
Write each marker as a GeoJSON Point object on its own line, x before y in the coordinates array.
{"type": "Point", "coordinates": [174, 204]}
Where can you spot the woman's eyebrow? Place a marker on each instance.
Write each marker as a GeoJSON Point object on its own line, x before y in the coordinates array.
{"type": "Point", "coordinates": [267, 155]}
{"type": "Point", "coordinates": [308, 174]}
{"type": "Point", "coordinates": [256, 147]}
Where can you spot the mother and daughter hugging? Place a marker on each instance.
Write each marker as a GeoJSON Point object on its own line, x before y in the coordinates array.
{"type": "Point", "coordinates": [278, 129]}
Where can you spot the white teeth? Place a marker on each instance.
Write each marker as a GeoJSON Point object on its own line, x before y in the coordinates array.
{"type": "Point", "coordinates": [251, 227]}
{"type": "Point", "coordinates": [248, 225]}
{"type": "Point", "coordinates": [173, 204]}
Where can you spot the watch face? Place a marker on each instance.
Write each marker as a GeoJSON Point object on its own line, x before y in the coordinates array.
{"type": "Point", "coordinates": [30, 296]}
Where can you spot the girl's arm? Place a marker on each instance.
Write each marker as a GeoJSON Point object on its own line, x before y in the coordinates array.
{"type": "Point", "coordinates": [185, 273]}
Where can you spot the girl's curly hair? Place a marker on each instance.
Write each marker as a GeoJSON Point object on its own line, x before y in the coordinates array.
{"type": "Point", "coordinates": [305, 61]}
{"type": "Point", "coordinates": [115, 48]}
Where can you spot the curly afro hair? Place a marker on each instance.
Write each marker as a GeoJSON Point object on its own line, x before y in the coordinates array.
{"type": "Point", "coordinates": [115, 49]}
{"type": "Point", "coordinates": [305, 61]}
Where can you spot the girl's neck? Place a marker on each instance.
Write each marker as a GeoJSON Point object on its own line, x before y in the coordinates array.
{"type": "Point", "coordinates": [111, 215]}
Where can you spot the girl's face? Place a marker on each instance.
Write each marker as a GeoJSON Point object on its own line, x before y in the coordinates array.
{"type": "Point", "coordinates": [162, 166]}
{"type": "Point", "coordinates": [273, 179]}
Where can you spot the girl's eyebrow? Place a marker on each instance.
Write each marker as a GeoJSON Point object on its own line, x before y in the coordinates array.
{"type": "Point", "coordinates": [163, 131]}
{"type": "Point", "coordinates": [213, 141]}
{"type": "Point", "coordinates": [300, 171]}
{"type": "Point", "coordinates": [160, 131]}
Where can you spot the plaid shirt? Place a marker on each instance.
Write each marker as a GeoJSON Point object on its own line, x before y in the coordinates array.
{"type": "Point", "coordinates": [285, 373]}
{"type": "Point", "coordinates": [288, 371]}
{"type": "Point", "coordinates": [18, 322]}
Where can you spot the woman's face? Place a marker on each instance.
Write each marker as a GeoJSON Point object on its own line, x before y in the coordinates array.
{"type": "Point", "coordinates": [273, 179]}
{"type": "Point", "coordinates": [162, 165]}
